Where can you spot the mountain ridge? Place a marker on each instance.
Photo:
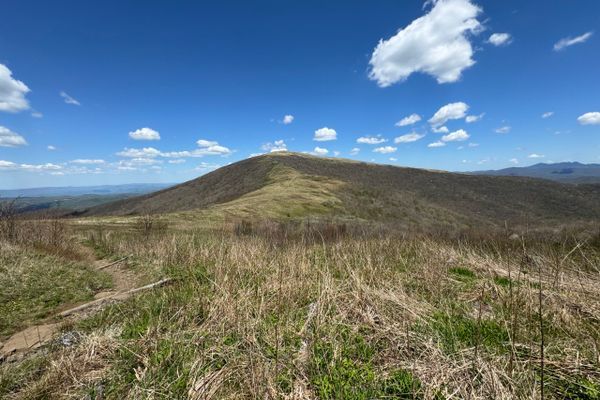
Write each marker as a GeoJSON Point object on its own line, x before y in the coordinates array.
{"type": "Point", "coordinates": [290, 185]}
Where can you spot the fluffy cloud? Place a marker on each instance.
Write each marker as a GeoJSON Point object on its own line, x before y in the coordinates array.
{"type": "Point", "coordinates": [570, 41]}
{"type": "Point", "coordinates": [7, 164]}
{"type": "Point", "coordinates": [206, 143]}
{"type": "Point", "coordinates": [436, 144]}
{"type": "Point", "coordinates": [408, 138]}
{"type": "Point", "coordinates": [473, 118]}
{"type": "Point", "coordinates": [12, 92]}
{"type": "Point", "coordinates": [68, 99]}
{"type": "Point", "coordinates": [436, 44]}
{"type": "Point", "coordinates": [37, 114]}
{"type": "Point", "coordinates": [288, 119]}
{"type": "Point", "coordinates": [145, 152]}
{"type": "Point", "coordinates": [513, 160]}
{"type": "Point", "coordinates": [9, 138]}
{"type": "Point", "coordinates": [456, 136]}
{"type": "Point", "coordinates": [144, 134]}
{"type": "Point", "coordinates": [354, 151]}
{"type": "Point", "coordinates": [548, 114]}
{"type": "Point", "coordinates": [87, 161]}
{"type": "Point", "coordinates": [209, 148]}
{"type": "Point", "coordinates": [278, 145]}
{"type": "Point", "coordinates": [500, 39]}
{"type": "Point", "coordinates": [591, 118]}
{"type": "Point", "coordinates": [448, 112]}
{"type": "Point", "coordinates": [11, 166]}
{"type": "Point", "coordinates": [441, 129]}
{"type": "Point", "coordinates": [51, 148]}
{"type": "Point", "coordinates": [325, 134]}
{"type": "Point", "coordinates": [534, 155]}
{"type": "Point", "coordinates": [385, 149]}
{"type": "Point", "coordinates": [319, 151]}
{"type": "Point", "coordinates": [502, 129]}
{"type": "Point", "coordinates": [371, 140]}
{"type": "Point", "coordinates": [410, 120]}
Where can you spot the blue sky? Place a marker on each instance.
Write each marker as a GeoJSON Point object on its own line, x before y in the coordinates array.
{"type": "Point", "coordinates": [124, 91]}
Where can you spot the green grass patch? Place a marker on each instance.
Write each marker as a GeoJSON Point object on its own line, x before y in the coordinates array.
{"type": "Point", "coordinates": [456, 331]}
{"type": "Point", "coordinates": [463, 274]}
{"type": "Point", "coordinates": [572, 387]}
{"type": "Point", "coordinates": [343, 368]}
{"type": "Point", "coordinates": [14, 377]}
{"type": "Point", "coordinates": [502, 281]}
{"type": "Point", "coordinates": [34, 285]}
{"type": "Point", "coordinates": [156, 336]}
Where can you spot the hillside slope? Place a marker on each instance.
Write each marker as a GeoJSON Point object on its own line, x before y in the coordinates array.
{"type": "Point", "coordinates": [297, 185]}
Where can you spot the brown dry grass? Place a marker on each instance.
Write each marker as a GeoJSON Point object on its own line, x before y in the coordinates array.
{"type": "Point", "coordinates": [263, 314]}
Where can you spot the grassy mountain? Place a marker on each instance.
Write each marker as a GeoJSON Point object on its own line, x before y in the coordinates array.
{"type": "Point", "coordinates": [293, 185]}
{"type": "Point", "coordinates": [568, 172]}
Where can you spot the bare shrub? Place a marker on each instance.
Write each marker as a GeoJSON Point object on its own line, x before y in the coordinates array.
{"type": "Point", "coordinates": [148, 224]}
{"type": "Point", "coordinates": [8, 219]}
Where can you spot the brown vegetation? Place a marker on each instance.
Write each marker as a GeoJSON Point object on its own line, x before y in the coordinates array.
{"type": "Point", "coordinates": [269, 310]}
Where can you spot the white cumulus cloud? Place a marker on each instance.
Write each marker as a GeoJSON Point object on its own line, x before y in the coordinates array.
{"type": "Point", "coordinates": [68, 99]}
{"type": "Point", "coordinates": [325, 134]}
{"type": "Point", "coordinates": [87, 161]}
{"type": "Point", "coordinates": [570, 41]}
{"type": "Point", "coordinates": [408, 138]}
{"type": "Point", "coordinates": [473, 118]}
{"type": "Point", "coordinates": [456, 136]}
{"type": "Point", "coordinates": [436, 44]}
{"type": "Point", "coordinates": [136, 153]}
{"type": "Point", "coordinates": [11, 166]}
{"type": "Point", "coordinates": [385, 149]}
{"type": "Point", "coordinates": [441, 129]}
{"type": "Point", "coordinates": [278, 145]}
{"type": "Point", "coordinates": [534, 155]}
{"type": "Point", "coordinates": [144, 134]}
{"type": "Point", "coordinates": [371, 140]}
{"type": "Point", "coordinates": [12, 92]}
{"type": "Point", "coordinates": [410, 120]}
{"type": "Point", "coordinates": [288, 119]}
{"type": "Point", "coordinates": [500, 39]}
{"type": "Point", "coordinates": [436, 144]}
{"type": "Point", "coordinates": [590, 118]}
{"type": "Point", "coordinates": [503, 129]}
{"type": "Point", "coordinates": [9, 138]}
{"type": "Point", "coordinates": [448, 112]}
{"type": "Point", "coordinates": [51, 147]}
{"type": "Point", "coordinates": [548, 114]}
{"type": "Point", "coordinates": [514, 160]}
{"type": "Point", "coordinates": [354, 151]}
{"type": "Point", "coordinates": [319, 151]}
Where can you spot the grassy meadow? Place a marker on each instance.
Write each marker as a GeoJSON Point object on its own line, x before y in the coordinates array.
{"type": "Point", "coordinates": [318, 310]}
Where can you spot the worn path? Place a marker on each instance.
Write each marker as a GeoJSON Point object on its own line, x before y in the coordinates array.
{"type": "Point", "coordinates": [35, 336]}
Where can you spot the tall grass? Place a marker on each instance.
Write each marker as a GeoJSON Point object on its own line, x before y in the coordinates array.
{"type": "Point", "coordinates": [261, 310]}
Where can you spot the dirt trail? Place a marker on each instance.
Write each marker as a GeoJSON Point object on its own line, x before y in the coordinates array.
{"type": "Point", "coordinates": [35, 336]}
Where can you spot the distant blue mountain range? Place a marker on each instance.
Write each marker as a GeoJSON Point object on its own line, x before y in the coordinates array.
{"type": "Point", "coordinates": [567, 172]}
{"type": "Point", "coordinates": [132, 188]}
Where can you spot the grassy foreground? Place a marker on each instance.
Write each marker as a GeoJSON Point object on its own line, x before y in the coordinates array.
{"type": "Point", "coordinates": [34, 284]}
{"type": "Point", "coordinates": [334, 315]}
